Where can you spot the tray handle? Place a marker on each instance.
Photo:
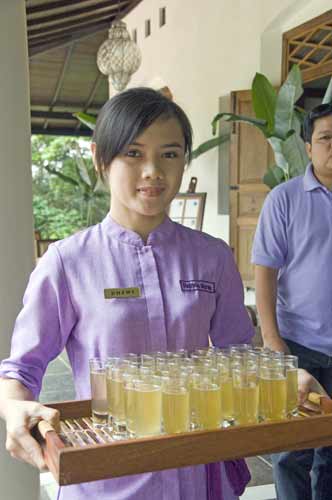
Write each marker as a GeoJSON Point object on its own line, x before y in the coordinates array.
{"type": "Point", "coordinates": [314, 398]}
{"type": "Point", "coordinates": [44, 427]}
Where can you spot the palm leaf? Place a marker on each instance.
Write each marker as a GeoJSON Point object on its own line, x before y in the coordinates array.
{"type": "Point", "coordinates": [230, 117]}
{"type": "Point", "coordinates": [264, 99]}
{"type": "Point", "coordinates": [273, 176]}
{"type": "Point", "coordinates": [289, 93]}
{"type": "Point", "coordinates": [327, 99]}
{"type": "Point", "coordinates": [62, 176]}
{"type": "Point", "coordinates": [83, 170]}
{"type": "Point", "coordinates": [295, 154]}
{"type": "Point", "coordinates": [210, 144]}
{"type": "Point", "coordinates": [281, 161]}
{"type": "Point", "coordinates": [88, 120]}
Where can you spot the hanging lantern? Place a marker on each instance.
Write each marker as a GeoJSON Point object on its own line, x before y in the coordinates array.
{"type": "Point", "coordinates": [118, 57]}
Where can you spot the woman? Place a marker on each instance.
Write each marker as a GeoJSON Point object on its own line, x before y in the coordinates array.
{"type": "Point", "coordinates": [140, 146]}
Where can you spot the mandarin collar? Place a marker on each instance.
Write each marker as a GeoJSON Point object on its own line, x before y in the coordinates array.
{"type": "Point", "coordinates": [310, 182]}
{"type": "Point", "coordinates": [161, 233]}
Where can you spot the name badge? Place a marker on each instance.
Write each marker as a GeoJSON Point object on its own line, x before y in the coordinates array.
{"type": "Point", "coordinates": [122, 293]}
{"type": "Point", "coordinates": [200, 285]}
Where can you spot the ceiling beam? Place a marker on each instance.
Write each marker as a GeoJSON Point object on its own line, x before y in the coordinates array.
{"type": "Point", "coordinates": [62, 107]}
{"type": "Point", "coordinates": [69, 26]}
{"type": "Point", "coordinates": [53, 115]}
{"type": "Point", "coordinates": [60, 79]}
{"type": "Point", "coordinates": [59, 4]}
{"type": "Point", "coordinates": [61, 131]}
{"type": "Point", "coordinates": [79, 14]}
{"type": "Point", "coordinates": [73, 33]}
{"type": "Point", "coordinates": [58, 42]}
{"type": "Point", "coordinates": [46, 44]}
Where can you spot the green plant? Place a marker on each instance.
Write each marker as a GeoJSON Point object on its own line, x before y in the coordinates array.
{"type": "Point", "coordinates": [86, 181]}
{"type": "Point", "coordinates": [276, 115]}
{"type": "Point", "coordinates": [280, 120]}
{"type": "Point", "coordinates": [67, 195]}
{"type": "Point", "coordinates": [90, 121]}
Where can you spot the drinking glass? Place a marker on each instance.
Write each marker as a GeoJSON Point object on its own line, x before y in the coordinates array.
{"type": "Point", "coordinates": [273, 389]}
{"type": "Point", "coordinates": [98, 391]}
{"type": "Point", "coordinates": [130, 401]}
{"type": "Point", "coordinates": [206, 399]}
{"type": "Point", "coordinates": [115, 376]}
{"type": "Point", "coordinates": [148, 406]}
{"type": "Point", "coordinates": [245, 392]}
{"type": "Point", "coordinates": [291, 366]}
{"type": "Point", "coordinates": [175, 404]}
{"type": "Point", "coordinates": [223, 364]}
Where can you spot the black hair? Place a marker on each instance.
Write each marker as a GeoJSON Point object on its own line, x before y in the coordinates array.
{"type": "Point", "coordinates": [126, 115]}
{"type": "Point", "coordinates": [312, 116]}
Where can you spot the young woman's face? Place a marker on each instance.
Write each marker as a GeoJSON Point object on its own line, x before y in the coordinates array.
{"type": "Point", "coordinates": [146, 176]}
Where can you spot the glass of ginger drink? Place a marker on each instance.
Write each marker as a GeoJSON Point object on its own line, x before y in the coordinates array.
{"type": "Point", "coordinates": [175, 404]}
{"type": "Point", "coordinates": [147, 421]}
{"type": "Point", "coordinates": [98, 392]}
{"type": "Point", "coordinates": [206, 392]}
{"type": "Point", "coordinates": [223, 364]}
{"type": "Point", "coordinates": [245, 391]}
{"type": "Point", "coordinates": [291, 366]}
{"type": "Point", "coordinates": [273, 389]}
{"type": "Point", "coordinates": [116, 394]}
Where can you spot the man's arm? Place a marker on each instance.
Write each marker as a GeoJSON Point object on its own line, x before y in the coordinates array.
{"type": "Point", "coordinates": [266, 299]}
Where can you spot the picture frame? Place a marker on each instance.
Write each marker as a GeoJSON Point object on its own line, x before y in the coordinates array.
{"type": "Point", "coordinates": [188, 209]}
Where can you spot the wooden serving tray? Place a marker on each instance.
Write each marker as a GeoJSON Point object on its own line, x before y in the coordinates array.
{"type": "Point", "coordinates": [72, 460]}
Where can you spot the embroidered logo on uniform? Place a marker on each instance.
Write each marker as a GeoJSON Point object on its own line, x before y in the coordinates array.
{"type": "Point", "coordinates": [200, 285]}
{"type": "Point", "coordinates": [122, 293]}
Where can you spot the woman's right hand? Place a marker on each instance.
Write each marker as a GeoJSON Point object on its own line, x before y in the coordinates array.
{"type": "Point", "coordinates": [21, 417]}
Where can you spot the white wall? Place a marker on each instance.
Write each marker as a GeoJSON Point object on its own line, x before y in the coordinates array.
{"type": "Point", "coordinates": [17, 481]}
{"type": "Point", "coordinates": [205, 50]}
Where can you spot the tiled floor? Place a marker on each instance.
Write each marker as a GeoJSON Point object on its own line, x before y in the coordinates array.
{"type": "Point", "coordinates": [58, 386]}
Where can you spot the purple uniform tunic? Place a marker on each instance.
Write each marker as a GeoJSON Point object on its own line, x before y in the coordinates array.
{"type": "Point", "coordinates": [294, 235]}
{"type": "Point", "coordinates": [189, 289]}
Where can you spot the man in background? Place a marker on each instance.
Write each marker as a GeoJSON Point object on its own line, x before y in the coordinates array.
{"type": "Point", "coordinates": [292, 252]}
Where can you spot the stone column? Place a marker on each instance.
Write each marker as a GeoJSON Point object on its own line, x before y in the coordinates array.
{"type": "Point", "coordinates": [17, 481]}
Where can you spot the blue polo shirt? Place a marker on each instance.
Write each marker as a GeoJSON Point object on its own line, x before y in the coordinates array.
{"type": "Point", "coordinates": [294, 235]}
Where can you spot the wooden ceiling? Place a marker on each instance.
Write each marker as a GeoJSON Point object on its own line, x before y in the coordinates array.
{"type": "Point", "coordinates": [63, 40]}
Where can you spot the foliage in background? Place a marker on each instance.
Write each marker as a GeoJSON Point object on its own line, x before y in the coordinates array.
{"type": "Point", "coordinates": [276, 115]}
{"type": "Point", "coordinates": [280, 120]}
{"type": "Point", "coordinates": [67, 196]}
{"type": "Point", "coordinates": [90, 121]}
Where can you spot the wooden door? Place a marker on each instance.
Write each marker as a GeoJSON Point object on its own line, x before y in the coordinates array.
{"type": "Point", "coordinates": [250, 155]}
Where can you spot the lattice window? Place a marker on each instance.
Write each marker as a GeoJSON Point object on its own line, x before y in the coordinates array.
{"type": "Point", "coordinates": [309, 46]}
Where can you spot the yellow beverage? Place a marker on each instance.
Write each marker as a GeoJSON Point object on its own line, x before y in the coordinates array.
{"type": "Point", "coordinates": [292, 390]}
{"type": "Point", "coordinates": [208, 406]}
{"type": "Point", "coordinates": [148, 410]}
{"type": "Point", "coordinates": [175, 408]}
{"type": "Point", "coordinates": [117, 400]}
{"type": "Point", "coordinates": [109, 395]}
{"type": "Point", "coordinates": [193, 402]}
{"type": "Point", "coordinates": [273, 398]}
{"type": "Point", "coordinates": [264, 389]}
{"type": "Point", "coordinates": [130, 408]}
{"type": "Point", "coordinates": [226, 399]}
{"type": "Point", "coordinates": [246, 404]}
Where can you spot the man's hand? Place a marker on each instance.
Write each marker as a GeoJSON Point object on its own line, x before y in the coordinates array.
{"type": "Point", "coordinates": [276, 343]}
{"type": "Point", "coordinates": [307, 383]}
